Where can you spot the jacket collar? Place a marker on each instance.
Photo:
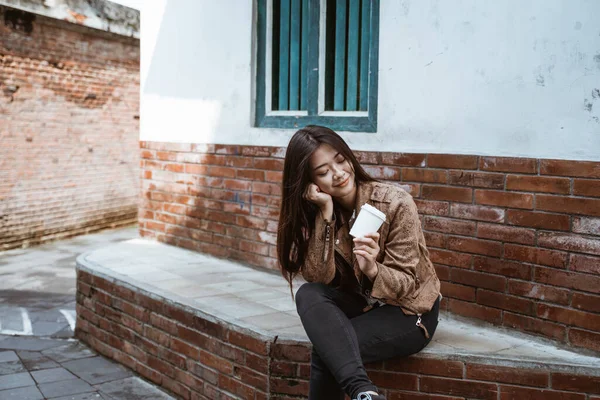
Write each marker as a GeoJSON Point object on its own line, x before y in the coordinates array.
{"type": "Point", "coordinates": [369, 191]}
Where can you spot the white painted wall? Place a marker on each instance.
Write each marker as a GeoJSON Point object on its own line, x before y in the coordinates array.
{"type": "Point", "coordinates": [504, 78]}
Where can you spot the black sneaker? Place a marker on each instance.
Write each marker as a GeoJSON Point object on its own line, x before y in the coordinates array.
{"type": "Point", "coordinates": [369, 396]}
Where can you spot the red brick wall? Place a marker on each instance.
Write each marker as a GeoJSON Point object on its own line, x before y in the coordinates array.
{"type": "Point", "coordinates": [197, 357]}
{"type": "Point", "coordinates": [69, 129]}
{"type": "Point", "coordinates": [515, 241]}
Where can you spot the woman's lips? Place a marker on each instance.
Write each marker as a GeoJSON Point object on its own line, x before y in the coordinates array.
{"type": "Point", "coordinates": [344, 183]}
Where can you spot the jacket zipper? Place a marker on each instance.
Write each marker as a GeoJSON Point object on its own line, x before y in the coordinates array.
{"type": "Point", "coordinates": [327, 237]}
{"type": "Point", "coordinates": [420, 325]}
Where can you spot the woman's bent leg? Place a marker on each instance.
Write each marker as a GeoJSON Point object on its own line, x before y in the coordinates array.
{"type": "Point", "coordinates": [322, 383]}
{"type": "Point", "coordinates": [325, 313]}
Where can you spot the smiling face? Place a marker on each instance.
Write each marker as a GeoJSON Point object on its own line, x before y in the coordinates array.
{"type": "Point", "coordinates": [333, 174]}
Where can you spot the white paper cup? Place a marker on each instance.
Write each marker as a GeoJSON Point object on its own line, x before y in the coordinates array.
{"type": "Point", "coordinates": [368, 221]}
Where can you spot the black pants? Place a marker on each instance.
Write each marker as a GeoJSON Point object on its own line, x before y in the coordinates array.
{"type": "Point", "coordinates": [344, 338]}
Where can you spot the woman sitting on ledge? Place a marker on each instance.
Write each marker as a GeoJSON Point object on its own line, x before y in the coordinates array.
{"type": "Point", "coordinates": [369, 298]}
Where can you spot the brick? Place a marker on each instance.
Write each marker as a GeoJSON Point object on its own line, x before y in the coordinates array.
{"type": "Point", "coordinates": [386, 173]}
{"type": "Point", "coordinates": [189, 380]}
{"type": "Point", "coordinates": [472, 310]}
{"type": "Point", "coordinates": [586, 339]}
{"type": "Point", "coordinates": [534, 255]}
{"type": "Point", "coordinates": [505, 302]}
{"type": "Point", "coordinates": [455, 291]}
{"type": "Point", "coordinates": [505, 233]}
{"type": "Point", "coordinates": [248, 342]}
{"type": "Point", "coordinates": [271, 164]}
{"type": "Point", "coordinates": [478, 279]}
{"type": "Point", "coordinates": [220, 149]}
{"type": "Point", "coordinates": [251, 378]}
{"type": "Point", "coordinates": [291, 352]}
{"type": "Point", "coordinates": [161, 366]}
{"type": "Point", "coordinates": [534, 325]}
{"type": "Point", "coordinates": [502, 267]}
{"type": "Point", "coordinates": [586, 302]}
{"type": "Point", "coordinates": [586, 187]}
{"type": "Point", "coordinates": [569, 316]}
{"type": "Point", "coordinates": [452, 161]}
{"type": "Point", "coordinates": [236, 387]}
{"type": "Point", "coordinates": [508, 164]}
{"type": "Point", "coordinates": [257, 363]}
{"type": "Point", "coordinates": [442, 271]}
{"type": "Point", "coordinates": [283, 368]}
{"type": "Point", "coordinates": [503, 199]}
{"type": "Point", "coordinates": [426, 366]}
{"type": "Point", "coordinates": [448, 225]}
{"type": "Point", "coordinates": [584, 169]}
{"type": "Point", "coordinates": [393, 380]}
{"type": "Point", "coordinates": [515, 375]}
{"type": "Point", "coordinates": [273, 176]}
{"type": "Point", "coordinates": [449, 193]}
{"type": "Point", "coordinates": [149, 373]}
{"type": "Point", "coordinates": [452, 258]}
{"type": "Point", "coordinates": [266, 188]}
{"type": "Point", "coordinates": [368, 157]}
{"type": "Point", "coordinates": [424, 175]}
{"type": "Point", "coordinates": [540, 220]}
{"type": "Point", "coordinates": [250, 174]}
{"type": "Point", "coordinates": [402, 395]}
{"type": "Point", "coordinates": [403, 159]}
{"type": "Point", "coordinates": [472, 245]}
{"type": "Point", "coordinates": [215, 362]}
{"type": "Point", "coordinates": [476, 179]}
{"type": "Point", "coordinates": [434, 239]}
{"type": "Point", "coordinates": [468, 389]}
{"type": "Point", "coordinates": [569, 205]}
{"type": "Point", "coordinates": [432, 207]}
{"type": "Point", "coordinates": [576, 383]}
{"type": "Point", "coordinates": [202, 372]}
{"type": "Point", "coordinates": [520, 393]}
{"type": "Point", "coordinates": [569, 242]}
{"type": "Point", "coordinates": [543, 184]}
{"type": "Point", "coordinates": [588, 226]}
{"type": "Point", "coordinates": [478, 213]}
{"type": "Point", "coordinates": [288, 386]}
{"type": "Point", "coordinates": [586, 264]}
{"type": "Point", "coordinates": [185, 349]}
{"type": "Point", "coordinates": [257, 151]}
{"type": "Point", "coordinates": [545, 293]}
{"type": "Point", "coordinates": [572, 280]}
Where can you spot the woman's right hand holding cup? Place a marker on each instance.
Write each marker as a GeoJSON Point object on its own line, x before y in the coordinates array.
{"type": "Point", "coordinates": [321, 199]}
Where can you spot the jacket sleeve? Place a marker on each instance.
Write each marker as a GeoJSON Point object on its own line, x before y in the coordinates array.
{"type": "Point", "coordinates": [319, 265]}
{"type": "Point", "coordinates": [397, 275]}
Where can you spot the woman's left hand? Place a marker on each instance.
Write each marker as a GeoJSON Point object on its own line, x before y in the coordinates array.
{"type": "Point", "coordinates": [366, 249]}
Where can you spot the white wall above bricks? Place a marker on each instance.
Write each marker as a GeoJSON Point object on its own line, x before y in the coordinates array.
{"type": "Point", "coordinates": [508, 78]}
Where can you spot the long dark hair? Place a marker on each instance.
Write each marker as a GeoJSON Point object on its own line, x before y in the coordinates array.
{"type": "Point", "coordinates": [297, 215]}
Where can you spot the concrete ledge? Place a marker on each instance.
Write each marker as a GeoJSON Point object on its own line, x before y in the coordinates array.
{"type": "Point", "coordinates": [208, 328]}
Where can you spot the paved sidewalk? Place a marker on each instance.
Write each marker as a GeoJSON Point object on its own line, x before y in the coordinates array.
{"type": "Point", "coordinates": [39, 359]}
{"type": "Point", "coordinates": [35, 369]}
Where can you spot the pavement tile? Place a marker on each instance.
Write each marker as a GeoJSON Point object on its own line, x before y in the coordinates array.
{"type": "Point", "coordinates": [16, 380]}
{"type": "Point", "coordinates": [8, 356]}
{"type": "Point", "coordinates": [11, 367]}
{"type": "Point", "coordinates": [65, 388]}
{"type": "Point", "coordinates": [97, 370]}
{"type": "Point", "coordinates": [29, 343]}
{"type": "Point", "coordinates": [52, 375]}
{"type": "Point", "coordinates": [71, 351]}
{"type": "Point", "coordinates": [85, 396]}
{"type": "Point", "coordinates": [24, 393]}
{"type": "Point", "coordinates": [34, 360]}
{"type": "Point", "coordinates": [133, 388]}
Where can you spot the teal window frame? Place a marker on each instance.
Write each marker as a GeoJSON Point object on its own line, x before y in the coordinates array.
{"type": "Point", "coordinates": [312, 66]}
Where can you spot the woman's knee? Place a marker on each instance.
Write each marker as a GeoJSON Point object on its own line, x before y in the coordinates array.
{"type": "Point", "coordinates": [309, 294]}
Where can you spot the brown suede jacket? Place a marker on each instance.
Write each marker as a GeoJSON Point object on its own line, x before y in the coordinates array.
{"type": "Point", "coordinates": [406, 276]}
